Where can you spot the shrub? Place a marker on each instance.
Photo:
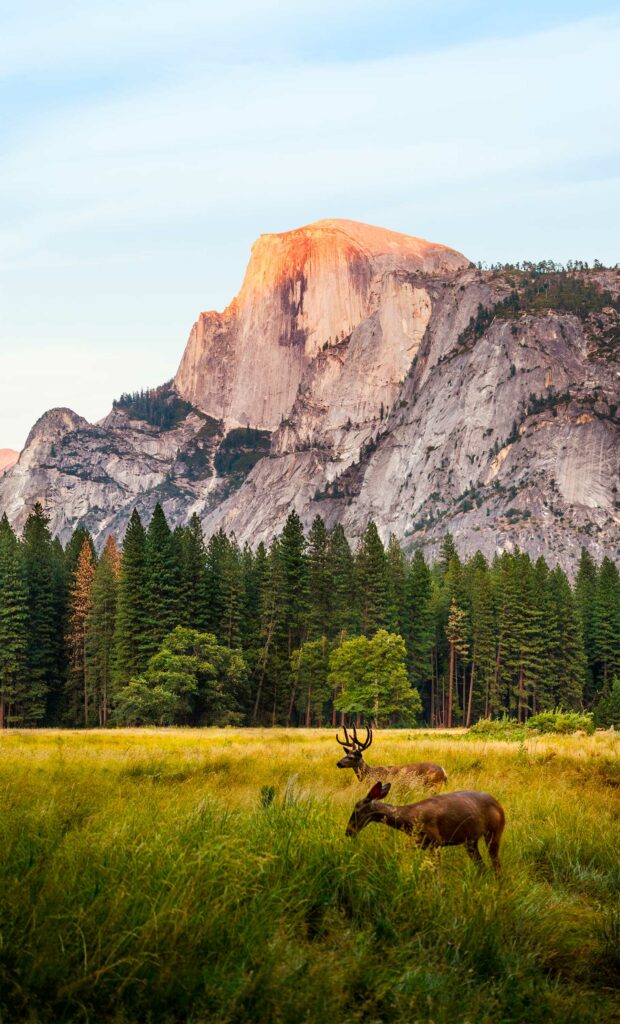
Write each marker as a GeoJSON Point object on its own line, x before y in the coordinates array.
{"type": "Point", "coordinates": [561, 722]}
{"type": "Point", "coordinates": [607, 711]}
{"type": "Point", "coordinates": [498, 729]}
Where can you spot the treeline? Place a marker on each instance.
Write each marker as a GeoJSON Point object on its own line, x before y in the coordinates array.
{"type": "Point", "coordinates": [174, 629]}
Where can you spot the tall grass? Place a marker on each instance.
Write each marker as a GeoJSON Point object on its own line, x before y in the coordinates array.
{"type": "Point", "coordinates": [202, 876]}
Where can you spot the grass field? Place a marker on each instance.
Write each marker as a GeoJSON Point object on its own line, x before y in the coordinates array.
{"type": "Point", "coordinates": [146, 876]}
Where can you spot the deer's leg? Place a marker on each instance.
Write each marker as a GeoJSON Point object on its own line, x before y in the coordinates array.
{"type": "Point", "coordinates": [493, 841]}
{"type": "Point", "coordinates": [473, 852]}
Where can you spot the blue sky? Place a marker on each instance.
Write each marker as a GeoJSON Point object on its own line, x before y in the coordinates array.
{"type": "Point", "coordinates": [144, 146]}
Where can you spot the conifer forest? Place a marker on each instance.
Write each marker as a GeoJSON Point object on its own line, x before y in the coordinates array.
{"type": "Point", "coordinates": [171, 629]}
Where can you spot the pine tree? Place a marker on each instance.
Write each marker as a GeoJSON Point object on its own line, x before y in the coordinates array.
{"type": "Point", "coordinates": [162, 581]}
{"type": "Point", "coordinates": [273, 661]}
{"type": "Point", "coordinates": [15, 707]}
{"type": "Point", "coordinates": [483, 639]}
{"type": "Point", "coordinates": [585, 599]}
{"type": "Point", "coordinates": [194, 604]}
{"type": "Point", "coordinates": [292, 553]}
{"type": "Point", "coordinates": [130, 650]}
{"type": "Point", "coordinates": [100, 630]}
{"type": "Point", "coordinates": [44, 616]}
{"type": "Point", "coordinates": [396, 587]}
{"type": "Point", "coordinates": [607, 625]}
{"type": "Point", "coordinates": [232, 594]}
{"type": "Point", "coordinates": [343, 611]}
{"type": "Point", "coordinates": [371, 582]}
{"type": "Point", "coordinates": [567, 657]}
{"type": "Point", "coordinates": [419, 631]}
{"type": "Point", "coordinates": [456, 633]}
{"type": "Point", "coordinates": [320, 581]}
{"type": "Point", "coordinates": [80, 603]}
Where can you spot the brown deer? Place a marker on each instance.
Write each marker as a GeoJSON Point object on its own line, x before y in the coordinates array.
{"type": "Point", "coordinates": [426, 772]}
{"type": "Point", "coordinates": [452, 819]}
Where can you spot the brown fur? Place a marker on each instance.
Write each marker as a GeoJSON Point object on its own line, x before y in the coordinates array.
{"type": "Point", "coordinates": [452, 819]}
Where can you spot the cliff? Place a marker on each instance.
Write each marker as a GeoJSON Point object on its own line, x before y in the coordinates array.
{"type": "Point", "coordinates": [363, 373]}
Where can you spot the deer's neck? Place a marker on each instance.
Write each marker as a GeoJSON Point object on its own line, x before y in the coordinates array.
{"type": "Point", "coordinates": [361, 769]}
{"type": "Point", "coordinates": [387, 814]}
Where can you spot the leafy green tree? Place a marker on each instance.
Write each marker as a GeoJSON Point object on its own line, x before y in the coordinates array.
{"type": "Point", "coordinates": [192, 680]}
{"type": "Point", "coordinates": [15, 706]}
{"type": "Point", "coordinates": [130, 654]}
{"type": "Point", "coordinates": [371, 581]}
{"type": "Point", "coordinates": [369, 677]}
{"type": "Point", "coordinates": [310, 668]}
{"type": "Point", "coordinates": [100, 627]}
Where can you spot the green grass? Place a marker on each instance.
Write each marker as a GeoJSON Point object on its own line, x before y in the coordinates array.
{"type": "Point", "coordinates": [154, 876]}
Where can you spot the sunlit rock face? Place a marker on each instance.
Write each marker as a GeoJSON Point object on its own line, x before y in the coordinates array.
{"type": "Point", "coordinates": [305, 291]}
{"type": "Point", "coordinates": [342, 381]}
{"type": "Point", "coordinates": [8, 458]}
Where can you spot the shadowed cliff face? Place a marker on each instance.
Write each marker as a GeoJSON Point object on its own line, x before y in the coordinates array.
{"type": "Point", "coordinates": [303, 290]}
{"type": "Point", "coordinates": [360, 373]}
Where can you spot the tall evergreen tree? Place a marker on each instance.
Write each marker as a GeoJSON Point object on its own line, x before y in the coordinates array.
{"type": "Point", "coordinates": [607, 625]}
{"type": "Point", "coordinates": [321, 581]}
{"type": "Point", "coordinates": [15, 705]}
{"type": "Point", "coordinates": [585, 600]}
{"type": "Point", "coordinates": [194, 603]}
{"type": "Point", "coordinates": [343, 611]}
{"type": "Point", "coordinates": [130, 649]}
{"type": "Point", "coordinates": [292, 553]}
{"type": "Point", "coordinates": [44, 616]}
{"type": "Point", "coordinates": [100, 630]}
{"type": "Point", "coordinates": [80, 603]}
{"type": "Point", "coordinates": [396, 586]}
{"type": "Point", "coordinates": [162, 581]}
{"type": "Point", "coordinates": [419, 631]}
{"type": "Point", "coordinates": [371, 581]}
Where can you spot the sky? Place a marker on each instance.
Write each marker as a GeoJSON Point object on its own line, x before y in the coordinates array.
{"type": "Point", "coordinates": [145, 145]}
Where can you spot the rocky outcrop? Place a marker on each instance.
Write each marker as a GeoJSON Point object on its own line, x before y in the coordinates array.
{"type": "Point", "coordinates": [361, 373]}
{"type": "Point", "coordinates": [8, 458]}
{"type": "Point", "coordinates": [304, 290]}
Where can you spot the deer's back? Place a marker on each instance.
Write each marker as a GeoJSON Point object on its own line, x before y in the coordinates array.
{"type": "Point", "coordinates": [454, 818]}
{"type": "Point", "coordinates": [423, 771]}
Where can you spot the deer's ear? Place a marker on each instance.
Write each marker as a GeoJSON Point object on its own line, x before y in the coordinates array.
{"type": "Point", "coordinates": [376, 792]}
{"type": "Point", "coordinates": [385, 789]}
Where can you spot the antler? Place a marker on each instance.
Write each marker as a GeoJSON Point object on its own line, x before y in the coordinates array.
{"type": "Point", "coordinates": [346, 742]}
{"type": "Point", "coordinates": [365, 745]}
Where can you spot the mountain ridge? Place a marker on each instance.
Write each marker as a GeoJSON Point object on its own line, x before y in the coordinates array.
{"type": "Point", "coordinates": [446, 397]}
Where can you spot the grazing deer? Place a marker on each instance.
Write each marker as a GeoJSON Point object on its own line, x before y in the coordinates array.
{"type": "Point", "coordinates": [452, 819]}
{"type": "Point", "coordinates": [426, 772]}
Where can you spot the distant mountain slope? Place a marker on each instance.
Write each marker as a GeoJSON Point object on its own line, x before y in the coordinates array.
{"type": "Point", "coordinates": [364, 373]}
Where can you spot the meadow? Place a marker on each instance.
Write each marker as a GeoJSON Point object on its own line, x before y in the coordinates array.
{"type": "Point", "coordinates": [204, 876]}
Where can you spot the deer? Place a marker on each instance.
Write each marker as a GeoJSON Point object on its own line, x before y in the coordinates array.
{"type": "Point", "coordinates": [451, 819]}
{"type": "Point", "coordinates": [426, 772]}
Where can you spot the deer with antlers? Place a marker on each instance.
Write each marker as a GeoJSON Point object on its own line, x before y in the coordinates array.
{"type": "Point", "coordinates": [424, 772]}
{"type": "Point", "coordinates": [452, 819]}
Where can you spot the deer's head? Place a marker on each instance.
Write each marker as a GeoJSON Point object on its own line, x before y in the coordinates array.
{"type": "Point", "coordinates": [364, 808]}
{"type": "Point", "coordinates": [354, 748]}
